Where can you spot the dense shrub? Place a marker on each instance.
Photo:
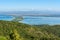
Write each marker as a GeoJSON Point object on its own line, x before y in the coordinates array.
{"type": "Point", "coordinates": [21, 31]}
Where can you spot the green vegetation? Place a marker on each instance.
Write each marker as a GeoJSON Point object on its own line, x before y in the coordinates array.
{"type": "Point", "coordinates": [20, 31]}
{"type": "Point", "coordinates": [17, 18]}
{"type": "Point", "coordinates": [3, 38]}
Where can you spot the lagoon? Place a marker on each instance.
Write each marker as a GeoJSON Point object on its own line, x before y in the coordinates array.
{"type": "Point", "coordinates": [35, 20]}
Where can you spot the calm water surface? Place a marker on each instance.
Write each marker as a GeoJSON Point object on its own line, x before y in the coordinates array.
{"type": "Point", "coordinates": [35, 20]}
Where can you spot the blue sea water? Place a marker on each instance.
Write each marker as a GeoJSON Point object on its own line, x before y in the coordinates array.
{"type": "Point", "coordinates": [35, 20]}
{"type": "Point", "coordinates": [42, 20]}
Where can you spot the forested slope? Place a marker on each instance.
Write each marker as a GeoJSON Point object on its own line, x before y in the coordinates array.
{"type": "Point", "coordinates": [20, 31]}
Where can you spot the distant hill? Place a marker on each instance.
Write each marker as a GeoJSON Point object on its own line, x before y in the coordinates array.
{"type": "Point", "coordinates": [44, 13]}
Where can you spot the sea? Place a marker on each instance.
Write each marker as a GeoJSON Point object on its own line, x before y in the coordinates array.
{"type": "Point", "coordinates": [34, 20]}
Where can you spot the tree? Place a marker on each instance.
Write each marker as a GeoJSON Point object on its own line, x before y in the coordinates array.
{"type": "Point", "coordinates": [14, 35]}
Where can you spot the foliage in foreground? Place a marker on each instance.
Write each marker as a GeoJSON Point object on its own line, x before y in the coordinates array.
{"type": "Point", "coordinates": [3, 38]}
{"type": "Point", "coordinates": [20, 31]}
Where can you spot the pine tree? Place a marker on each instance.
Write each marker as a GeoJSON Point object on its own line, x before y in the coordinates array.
{"type": "Point", "coordinates": [15, 36]}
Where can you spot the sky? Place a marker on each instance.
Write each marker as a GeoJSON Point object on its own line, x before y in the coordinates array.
{"type": "Point", "coordinates": [18, 5]}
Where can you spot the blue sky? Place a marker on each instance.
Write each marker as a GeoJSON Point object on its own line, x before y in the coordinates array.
{"type": "Point", "coordinates": [17, 5]}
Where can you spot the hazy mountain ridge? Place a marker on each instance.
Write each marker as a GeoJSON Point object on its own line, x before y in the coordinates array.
{"type": "Point", "coordinates": [33, 13]}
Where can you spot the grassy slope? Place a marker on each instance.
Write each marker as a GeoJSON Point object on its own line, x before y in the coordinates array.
{"type": "Point", "coordinates": [28, 32]}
